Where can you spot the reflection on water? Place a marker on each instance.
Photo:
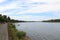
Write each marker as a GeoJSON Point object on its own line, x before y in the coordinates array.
{"type": "Point", "coordinates": [40, 30]}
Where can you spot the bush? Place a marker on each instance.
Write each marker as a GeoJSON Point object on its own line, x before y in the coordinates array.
{"type": "Point", "coordinates": [21, 34]}
{"type": "Point", "coordinates": [14, 33]}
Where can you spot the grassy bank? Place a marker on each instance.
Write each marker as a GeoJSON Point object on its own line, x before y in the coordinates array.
{"type": "Point", "coordinates": [14, 34]}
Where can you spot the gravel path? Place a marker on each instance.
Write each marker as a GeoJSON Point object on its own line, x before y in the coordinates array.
{"type": "Point", "coordinates": [3, 32]}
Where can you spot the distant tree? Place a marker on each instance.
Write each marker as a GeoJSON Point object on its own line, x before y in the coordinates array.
{"type": "Point", "coordinates": [0, 14]}
{"type": "Point", "coordinates": [8, 18]}
{"type": "Point", "coordinates": [5, 18]}
{"type": "Point", "coordinates": [0, 17]}
{"type": "Point", "coordinates": [52, 20]}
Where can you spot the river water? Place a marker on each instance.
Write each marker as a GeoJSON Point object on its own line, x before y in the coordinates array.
{"type": "Point", "coordinates": [40, 30]}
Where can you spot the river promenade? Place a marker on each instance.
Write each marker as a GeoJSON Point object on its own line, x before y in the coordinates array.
{"type": "Point", "coordinates": [3, 32]}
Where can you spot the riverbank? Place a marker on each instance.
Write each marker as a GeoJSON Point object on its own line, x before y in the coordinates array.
{"type": "Point", "coordinates": [14, 34]}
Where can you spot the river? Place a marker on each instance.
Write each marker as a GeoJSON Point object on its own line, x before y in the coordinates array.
{"type": "Point", "coordinates": [40, 30]}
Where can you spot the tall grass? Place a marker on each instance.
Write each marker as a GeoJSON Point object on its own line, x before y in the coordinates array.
{"type": "Point", "coordinates": [14, 34]}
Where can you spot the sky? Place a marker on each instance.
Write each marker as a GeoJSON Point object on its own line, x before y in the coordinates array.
{"type": "Point", "coordinates": [31, 10]}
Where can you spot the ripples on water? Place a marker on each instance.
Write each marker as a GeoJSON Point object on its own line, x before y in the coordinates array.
{"type": "Point", "coordinates": [40, 30]}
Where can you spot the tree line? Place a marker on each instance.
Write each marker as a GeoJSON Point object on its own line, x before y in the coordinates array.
{"type": "Point", "coordinates": [5, 18]}
{"type": "Point", "coordinates": [52, 20]}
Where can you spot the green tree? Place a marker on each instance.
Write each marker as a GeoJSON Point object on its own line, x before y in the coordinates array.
{"type": "Point", "coordinates": [8, 19]}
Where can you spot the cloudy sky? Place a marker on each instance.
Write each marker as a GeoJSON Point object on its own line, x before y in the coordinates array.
{"type": "Point", "coordinates": [31, 9]}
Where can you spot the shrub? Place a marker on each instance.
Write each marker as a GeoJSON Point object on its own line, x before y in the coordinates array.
{"type": "Point", "coordinates": [14, 33]}
{"type": "Point", "coordinates": [21, 34]}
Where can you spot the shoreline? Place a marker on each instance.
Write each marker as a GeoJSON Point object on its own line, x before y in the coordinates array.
{"type": "Point", "coordinates": [12, 32]}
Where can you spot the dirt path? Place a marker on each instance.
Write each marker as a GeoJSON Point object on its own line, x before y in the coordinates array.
{"type": "Point", "coordinates": [3, 32]}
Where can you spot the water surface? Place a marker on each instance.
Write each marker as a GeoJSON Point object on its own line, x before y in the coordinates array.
{"type": "Point", "coordinates": [40, 30]}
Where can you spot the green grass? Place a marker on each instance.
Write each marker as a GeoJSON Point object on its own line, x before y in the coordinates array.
{"type": "Point", "coordinates": [14, 34]}
{"type": "Point", "coordinates": [21, 34]}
